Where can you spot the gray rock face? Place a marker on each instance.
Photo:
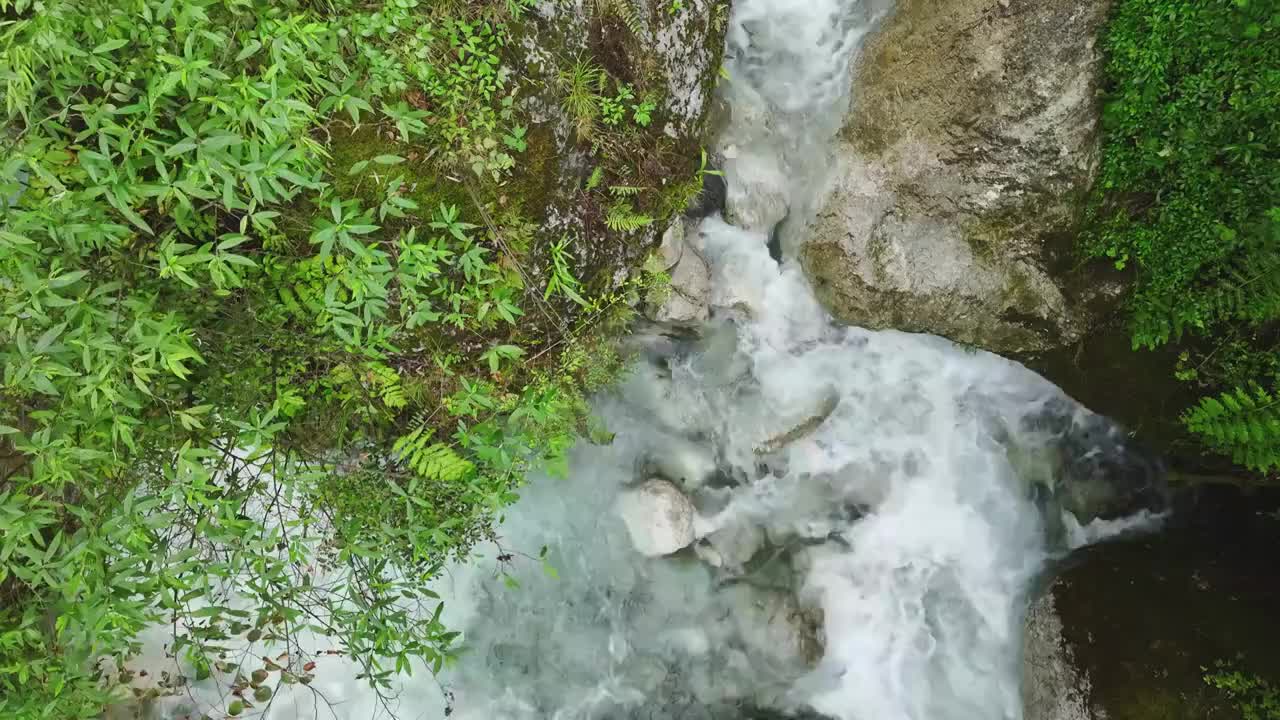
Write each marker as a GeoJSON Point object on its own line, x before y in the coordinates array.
{"type": "Point", "coordinates": [672, 56]}
{"type": "Point", "coordinates": [1053, 686]}
{"type": "Point", "coordinates": [972, 141]}
{"type": "Point", "coordinates": [688, 296]}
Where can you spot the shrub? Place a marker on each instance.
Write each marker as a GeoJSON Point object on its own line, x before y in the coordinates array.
{"type": "Point", "coordinates": [1189, 188]}
{"type": "Point", "coordinates": [230, 376]}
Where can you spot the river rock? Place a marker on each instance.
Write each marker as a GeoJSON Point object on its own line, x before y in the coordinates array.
{"type": "Point", "coordinates": [773, 627]}
{"type": "Point", "coordinates": [686, 299]}
{"type": "Point", "coordinates": [1054, 687]}
{"type": "Point", "coordinates": [731, 547]}
{"type": "Point", "coordinates": [659, 518]}
{"type": "Point", "coordinates": [972, 139]}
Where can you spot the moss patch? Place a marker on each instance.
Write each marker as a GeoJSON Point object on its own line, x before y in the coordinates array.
{"type": "Point", "coordinates": [426, 183]}
{"type": "Point", "coordinates": [532, 185]}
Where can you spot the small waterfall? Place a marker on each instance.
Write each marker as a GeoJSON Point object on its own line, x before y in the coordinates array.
{"type": "Point", "coordinates": [870, 510]}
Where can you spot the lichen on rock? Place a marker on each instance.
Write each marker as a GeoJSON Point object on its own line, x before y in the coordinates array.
{"type": "Point", "coordinates": [972, 139]}
{"type": "Point", "coordinates": [669, 58]}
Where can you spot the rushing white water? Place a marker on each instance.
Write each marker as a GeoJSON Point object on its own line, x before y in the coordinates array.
{"type": "Point", "coordinates": [873, 508]}
{"type": "Point", "coordinates": [902, 533]}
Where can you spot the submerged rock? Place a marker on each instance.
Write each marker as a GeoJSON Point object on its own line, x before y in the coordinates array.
{"type": "Point", "coordinates": [972, 141]}
{"type": "Point", "coordinates": [659, 518]}
{"type": "Point", "coordinates": [774, 629]}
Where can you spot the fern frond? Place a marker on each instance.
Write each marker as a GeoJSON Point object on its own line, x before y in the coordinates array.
{"type": "Point", "coordinates": [626, 190]}
{"type": "Point", "coordinates": [440, 462]}
{"type": "Point", "coordinates": [597, 177]}
{"type": "Point", "coordinates": [624, 10]}
{"type": "Point", "coordinates": [436, 462]}
{"type": "Point", "coordinates": [1243, 423]}
{"type": "Point", "coordinates": [622, 217]}
{"type": "Point", "coordinates": [405, 445]}
{"type": "Point", "coordinates": [1250, 287]}
{"type": "Point", "coordinates": [393, 396]}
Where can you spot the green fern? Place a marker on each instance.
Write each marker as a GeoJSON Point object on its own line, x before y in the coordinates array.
{"type": "Point", "coordinates": [597, 177]}
{"type": "Point", "coordinates": [625, 190]}
{"type": "Point", "coordinates": [302, 286]}
{"type": "Point", "coordinates": [622, 217]}
{"type": "Point", "coordinates": [1242, 423]}
{"type": "Point", "coordinates": [434, 461]}
{"type": "Point", "coordinates": [1250, 287]}
{"type": "Point", "coordinates": [385, 381]}
{"type": "Point", "coordinates": [625, 10]}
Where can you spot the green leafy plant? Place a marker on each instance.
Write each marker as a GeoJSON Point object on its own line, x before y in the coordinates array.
{"type": "Point", "coordinates": [1187, 198]}
{"type": "Point", "coordinates": [1189, 168]}
{"type": "Point", "coordinates": [1256, 698]}
{"type": "Point", "coordinates": [614, 109]}
{"type": "Point", "coordinates": [562, 280]}
{"type": "Point", "coordinates": [1243, 422]}
{"type": "Point", "coordinates": [642, 113]}
{"type": "Point", "coordinates": [242, 391]}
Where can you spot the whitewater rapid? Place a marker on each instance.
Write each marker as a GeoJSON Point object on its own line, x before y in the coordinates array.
{"type": "Point", "coordinates": [874, 565]}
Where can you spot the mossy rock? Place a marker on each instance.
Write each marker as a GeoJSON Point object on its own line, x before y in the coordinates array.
{"type": "Point", "coordinates": [966, 159]}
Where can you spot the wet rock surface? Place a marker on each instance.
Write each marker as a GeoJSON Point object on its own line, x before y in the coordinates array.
{"type": "Point", "coordinates": [972, 140]}
{"type": "Point", "coordinates": [686, 298]}
{"type": "Point", "coordinates": [659, 518]}
{"type": "Point", "coordinates": [675, 56]}
{"type": "Point", "coordinates": [1054, 686]}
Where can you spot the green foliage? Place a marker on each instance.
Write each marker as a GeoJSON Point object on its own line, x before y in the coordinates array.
{"type": "Point", "coordinates": [582, 84]}
{"type": "Point", "coordinates": [613, 110]}
{"type": "Point", "coordinates": [623, 217]}
{"type": "Point", "coordinates": [434, 462]}
{"type": "Point", "coordinates": [586, 99]}
{"type": "Point", "coordinates": [679, 196]}
{"type": "Point", "coordinates": [1256, 698]}
{"type": "Point", "coordinates": [1189, 196]}
{"type": "Point", "coordinates": [625, 11]}
{"type": "Point", "coordinates": [212, 338]}
{"type": "Point", "coordinates": [562, 280]}
{"type": "Point", "coordinates": [1244, 423]}
{"type": "Point", "coordinates": [1191, 163]}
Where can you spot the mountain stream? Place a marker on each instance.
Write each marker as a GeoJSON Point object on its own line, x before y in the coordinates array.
{"type": "Point", "coordinates": [867, 514]}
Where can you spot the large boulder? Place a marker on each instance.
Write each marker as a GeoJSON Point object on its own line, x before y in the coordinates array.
{"type": "Point", "coordinates": [971, 143]}
{"type": "Point", "coordinates": [670, 58]}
